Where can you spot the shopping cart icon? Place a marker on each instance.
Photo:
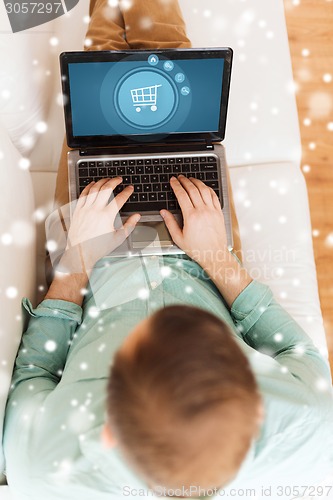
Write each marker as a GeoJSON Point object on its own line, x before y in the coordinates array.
{"type": "Point", "coordinates": [145, 96]}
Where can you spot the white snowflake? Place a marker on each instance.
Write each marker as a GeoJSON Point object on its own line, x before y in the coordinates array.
{"type": "Point", "coordinates": [51, 245]}
{"type": "Point", "coordinates": [50, 346]}
{"type": "Point", "coordinates": [6, 239]}
{"type": "Point", "coordinates": [41, 127]}
{"type": "Point", "coordinates": [322, 385]}
{"type": "Point", "coordinates": [93, 312]}
{"type": "Point", "coordinates": [11, 292]}
{"type": "Point", "coordinates": [165, 271]}
{"type": "Point", "coordinates": [24, 163]}
{"type": "Point", "coordinates": [329, 240]}
{"type": "Point", "coordinates": [54, 41]}
{"type": "Point", "coordinates": [143, 293]}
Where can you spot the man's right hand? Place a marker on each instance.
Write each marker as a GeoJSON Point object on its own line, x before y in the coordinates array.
{"type": "Point", "coordinates": [203, 236]}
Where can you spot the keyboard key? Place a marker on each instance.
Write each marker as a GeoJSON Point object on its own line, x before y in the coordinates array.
{"type": "Point", "coordinates": [156, 161]}
{"type": "Point", "coordinates": [112, 172]}
{"type": "Point", "coordinates": [211, 176]}
{"type": "Point", "coordinates": [212, 159]}
{"type": "Point", "coordinates": [145, 179]}
{"type": "Point", "coordinates": [147, 187]}
{"type": "Point", "coordinates": [136, 179]}
{"type": "Point", "coordinates": [127, 179]}
{"type": "Point", "coordinates": [100, 164]}
{"type": "Point", "coordinates": [131, 162]}
{"type": "Point", "coordinates": [116, 163]}
{"type": "Point", "coordinates": [177, 169]}
{"type": "Point", "coordinates": [164, 161]}
{"type": "Point", "coordinates": [200, 176]}
{"type": "Point", "coordinates": [187, 160]}
{"type": "Point", "coordinates": [171, 195]}
{"type": "Point", "coordinates": [149, 169]}
{"type": "Point", "coordinates": [173, 205]}
{"type": "Point", "coordinates": [102, 172]}
{"type": "Point", "coordinates": [108, 164]}
{"type": "Point", "coordinates": [152, 196]}
{"type": "Point", "coordinates": [195, 159]}
{"type": "Point", "coordinates": [212, 184]}
{"type": "Point", "coordinates": [138, 188]}
{"type": "Point", "coordinates": [148, 162]}
{"type": "Point", "coordinates": [208, 166]}
{"type": "Point", "coordinates": [93, 172]}
{"type": "Point", "coordinates": [158, 169]}
{"type": "Point", "coordinates": [203, 159]}
{"type": "Point", "coordinates": [166, 186]}
{"type": "Point", "coordinates": [156, 187]}
{"type": "Point", "coordinates": [84, 181]}
{"type": "Point", "coordinates": [139, 162]}
{"type": "Point", "coordinates": [195, 167]}
{"type": "Point", "coordinates": [163, 178]}
{"type": "Point", "coordinates": [134, 197]}
{"type": "Point", "coordinates": [154, 178]}
{"type": "Point", "coordinates": [124, 163]}
{"type": "Point", "coordinates": [121, 171]}
{"type": "Point", "coordinates": [82, 164]}
{"type": "Point", "coordinates": [139, 170]}
{"type": "Point", "coordinates": [92, 164]}
{"type": "Point", "coordinates": [83, 172]}
{"type": "Point", "coordinates": [171, 160]}
{"type": "Point", "coordinates": [179, 160]}
{"type": "Point", "coordinates": [130, 170]}
{"type": "Point", "coordinates": [167, 169]}
{"type": "Point", "coordinates": [143, 196]}
{"type": "Point", "coordinates": [162, 196]}
{"type": "Point", "coordinates": [186, 168]}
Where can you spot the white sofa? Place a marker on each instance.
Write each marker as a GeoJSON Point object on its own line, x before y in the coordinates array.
{"type": "Point", "coordinates": [263, 149]}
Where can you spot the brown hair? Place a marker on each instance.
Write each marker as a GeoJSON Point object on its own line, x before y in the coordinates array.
{"type": "Point", "coordinates": [183, 404]}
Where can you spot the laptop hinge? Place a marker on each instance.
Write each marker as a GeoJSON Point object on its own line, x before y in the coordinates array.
{"type": "Point", "coordinates": [148, 148]}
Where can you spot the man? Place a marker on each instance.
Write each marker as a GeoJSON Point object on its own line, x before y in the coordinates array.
{"type": "Point", "coordinates": [213, 387]}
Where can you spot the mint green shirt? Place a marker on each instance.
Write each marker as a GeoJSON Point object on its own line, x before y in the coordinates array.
{"type": "Point", "coordinates": [56, 408]}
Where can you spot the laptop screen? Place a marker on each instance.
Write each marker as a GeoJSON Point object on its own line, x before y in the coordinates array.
{"type": "Point", "coordinates": [117, 97]}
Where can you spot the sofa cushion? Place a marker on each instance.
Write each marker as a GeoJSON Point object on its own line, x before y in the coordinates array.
{"type": "Point", "coordinates": [17, 256]}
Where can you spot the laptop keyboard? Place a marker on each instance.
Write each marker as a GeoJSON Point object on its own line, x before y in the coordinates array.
{"type": "Point", "coordinates": [150, 178]}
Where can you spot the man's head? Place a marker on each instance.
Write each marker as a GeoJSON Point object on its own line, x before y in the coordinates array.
{"type": "Point", "coordinates": [182, 402]}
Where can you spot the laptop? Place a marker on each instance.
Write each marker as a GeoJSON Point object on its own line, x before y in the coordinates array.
{"type": "Point", "coordinates": [147, 115]}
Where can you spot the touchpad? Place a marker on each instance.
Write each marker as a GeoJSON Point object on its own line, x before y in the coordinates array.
{"type": "Point", "coordinates": [151, 234]}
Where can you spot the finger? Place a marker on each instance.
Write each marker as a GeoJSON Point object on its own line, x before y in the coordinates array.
{"type": "Point", "coordinates": [192, 191]}
{"type": "Point", "coordinates": [121, 198]}
{"type": "Point", "coordinates": [131, 223]}
{"type": "Point", "coordinates": [83, 196]}
{"type": "Point", "coordinates": [94, 190]}
{"type": "Point", "coordinates": [216, 201]}
{"type": "Point", "coordinates": [172, 225]}
{"type": "Point", "coordinates": [181, 195]}
{"type": "Point", "coordinates": [203, 190]}
{"type": "Point", "coordinates": [104, 194]}
{"type": "Point", "coordinates": [128, 227]}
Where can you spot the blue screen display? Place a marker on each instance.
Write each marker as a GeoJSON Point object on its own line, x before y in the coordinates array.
{"type": "Point", "coordinates": [155, 96]}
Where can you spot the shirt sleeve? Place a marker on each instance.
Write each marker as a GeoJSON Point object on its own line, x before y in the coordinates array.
{"type": "Point", "coordinates": [268, 328]}
{"type": "Point", "coordinates": [44, 346]}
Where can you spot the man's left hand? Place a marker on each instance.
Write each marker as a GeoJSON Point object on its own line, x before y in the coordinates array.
{"type": "Point", "coordinates": [92, 231]}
